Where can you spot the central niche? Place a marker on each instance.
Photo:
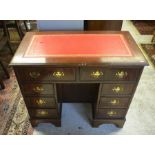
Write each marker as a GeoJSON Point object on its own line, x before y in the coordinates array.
{"type": "Point", "coordinates": [80, 92]}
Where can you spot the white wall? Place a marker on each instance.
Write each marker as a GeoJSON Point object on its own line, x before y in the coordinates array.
{"type": "Point", "coordinates": [47, 25]}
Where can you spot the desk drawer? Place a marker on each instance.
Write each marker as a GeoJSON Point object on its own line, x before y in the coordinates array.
{"type": "Point", "coordinates": [43, 113]}
{"type": "Point", "coordinates": [114, 102]}
{"type": "Point", "coordinates": [111, 113]}
{"type": "Point", "coordinates": [122, 74]}
{"type": "Point", "coordinates": [117, 89]}
{"type": "Point", "coordinates": [92, 73]}
{"type": "Point", "coordinates": [41, 102]}
{"type": "Point", "coordinates": [38, 89]}
{"type": "Point", "coordinates": [47, 74]}
{"type": "Point", "coordinates": [109, 74]}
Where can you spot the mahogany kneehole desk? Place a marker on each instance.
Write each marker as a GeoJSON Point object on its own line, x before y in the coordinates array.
{"type": "Point", "coordinates": [102, 68]}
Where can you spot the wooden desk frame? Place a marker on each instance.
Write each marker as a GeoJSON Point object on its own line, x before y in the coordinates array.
{"type": "Point", "coordinates": [48, 75]}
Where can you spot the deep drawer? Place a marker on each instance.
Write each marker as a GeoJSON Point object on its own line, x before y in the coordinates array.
{"type": "Point", "coordinates": [46, 74]}
{"type": "Point", "coordinates": [41, 102]}
{"type": "Point", "coordinates": [117, 102]}
{"type": "Point", "coordinates": [43, 113]}
{"type": "Point", "coordinates": [38, 89]}
{"type": "Point", "coordinates": [111, 113]}
{"type": "Point", "coordinates": [117, 89]}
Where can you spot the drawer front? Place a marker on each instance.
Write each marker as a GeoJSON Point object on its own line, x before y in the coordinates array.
{"type": "Point", "coordinates": [62, 74]}
{"type": "Point", "coordinates": [47, 74]}
{"type": "Point", "coordinates": [109, 74]}
{"type": "Point", "coordinates": [38, 89]}
{"type": "Point", "coordinates": [43, 113]}
{"type": "Point", "coordinates": [41, 102]}
{"type": "Point", "coordinates": [116, 102]}
{"type": "Point", "coordinates": [92, 73]}
{"type": "Point", "coordinates": [111, 113]}
{"type": "Point", "coordinates": [117, 89]}
{"type": "Point", "coordinates": [122, 74]}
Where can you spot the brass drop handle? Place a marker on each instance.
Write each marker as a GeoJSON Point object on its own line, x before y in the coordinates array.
{"type": "Point", "coordinates": [121, 74]}
{"type": "Point", "coordinates": [40, 102]}
{"type": "Point", "coordinates": [114, 102]}
{"type": "Point", "coordinates": [117, 89]}
{"type": "Point", "coordinates": [38, 89]}
{"type": "Point", "coordinates": [58, 74]}
{"type": "Point", "coordinates": [43, 112]}
{"type": "Point", "coordinates": [34, 75]}
{"type": "Point", "coordinates": [96, 74]}
{"type": "Point", "coordinates": [111, 113]}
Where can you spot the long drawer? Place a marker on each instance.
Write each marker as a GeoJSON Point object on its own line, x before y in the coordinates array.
{"type": "Point", "coordinates": [111, 113]}
{"type": "Point", "coordinates": [108, 74]}
{"type": "Point", "coordinates": [40, 102]}
{"type": "Point", "coordinates": [38, 89]}
{"type": "Point", "coordinates": [114, 102]}
{"type": "Point", "coordinates": [117, 89]}
{"type": "Point", "coordinates": [47, 74]}
{"type": "Point", "coordinates": [43, 113]}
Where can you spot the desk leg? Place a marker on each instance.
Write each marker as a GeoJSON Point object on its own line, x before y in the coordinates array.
{"type": "Point", "coordinates": [35, 122]}
{"type": "Point", "coordinates": [118, 122]}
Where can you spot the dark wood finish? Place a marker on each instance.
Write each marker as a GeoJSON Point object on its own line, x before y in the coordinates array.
{"type": "Point", "coordinates": [35, 122]}
{"type": "Point", "coordinates": [114, 102]}
{"type": "Point", "coordinates": [122, 74]}
{"type": "Point", "coordinates": [117, 89]}
{"type": "Point", "coordinates": [55, 121]}
{"type": "Point", "coordinates": [87, 73]}
{"type": "Point", "coordinates": [47, 74]}
{"type": "Point", "coordinates": [38, 89]}
{"type": "Point", "coordinates": [109, 74]}
{"type": "Point", "coordinates": [97, 80]}
{"type": "Point", "coordinates": [43, 113]}
{"type": "Point", "coordinates": [81, 92]}
{"type": "Point", "coordinates": [111, 113]}
{"type": "Point", "coordinates": [118, 122]}
{"type": "Point", "coordinates": [106, 25]}
{"type": "Point", "coordinates": [41, 102]}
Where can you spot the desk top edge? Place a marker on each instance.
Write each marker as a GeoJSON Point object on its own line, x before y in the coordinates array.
{"type": "Point", "coordinates": [137, 59]}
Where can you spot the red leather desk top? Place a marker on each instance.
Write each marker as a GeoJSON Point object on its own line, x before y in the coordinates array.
{"type": "Point", "coordinates": [63, 45]}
